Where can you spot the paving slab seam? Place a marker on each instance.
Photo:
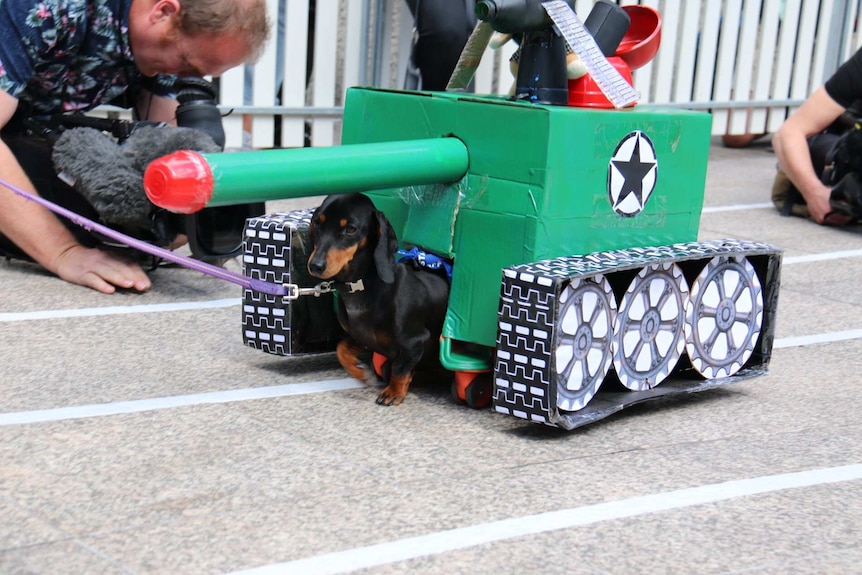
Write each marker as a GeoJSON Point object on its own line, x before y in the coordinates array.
{"type": "Point", "coordinates": [775, 565]}
{"type": "Point", "coordinates": [65, 538]}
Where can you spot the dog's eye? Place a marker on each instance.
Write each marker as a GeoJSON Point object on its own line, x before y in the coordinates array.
{"type": "Point", "coordinates": [349, 230]}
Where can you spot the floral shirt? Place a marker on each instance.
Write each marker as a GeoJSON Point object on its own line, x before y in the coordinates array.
{"type": "Point", "coordinates": [63, 55]}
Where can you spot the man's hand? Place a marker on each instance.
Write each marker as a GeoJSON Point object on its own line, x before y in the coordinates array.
{"type": "Point", "coordinates": [43, 237]}
{"type": "Point", "coordinates": [836, 219]}
{"type": "Point", "coordinates": [821, 211]}
{"type": "Point", "coordinates": [103, 271]}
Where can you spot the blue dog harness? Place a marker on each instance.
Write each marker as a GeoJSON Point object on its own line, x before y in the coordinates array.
{"type": "Point", "coordinates": [425, 260]}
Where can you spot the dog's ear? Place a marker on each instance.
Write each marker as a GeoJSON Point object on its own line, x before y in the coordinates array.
{"type": "Point", "coordinates": [313, 224]}
{"type": "Point", "coordinates": [384, 253]}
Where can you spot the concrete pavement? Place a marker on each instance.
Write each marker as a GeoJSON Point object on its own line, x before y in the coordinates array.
{"type": "Point", "coordinates": [131, 444]}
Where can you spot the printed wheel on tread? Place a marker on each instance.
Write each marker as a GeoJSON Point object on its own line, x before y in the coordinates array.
{"type": "Point", "coordinates": [583, 350]}
{"type": "Point", "coordinates": [724, 316]}
{"type": "Point", "coordinates": [649, 330]}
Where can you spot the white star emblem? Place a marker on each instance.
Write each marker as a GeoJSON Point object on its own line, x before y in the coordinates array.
{"type": "Point", "coordinates": [632, 174]}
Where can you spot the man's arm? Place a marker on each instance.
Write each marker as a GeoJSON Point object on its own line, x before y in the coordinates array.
{"type": "Point", "coordinates": [791, 147]}
{"type": "Point", "coordinates": [156, 108]}
{"type": "Point", "coordinates": [41, 235]}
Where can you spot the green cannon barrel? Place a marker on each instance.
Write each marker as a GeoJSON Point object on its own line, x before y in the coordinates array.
{"type": "Point", "coordinates": [186, 181]}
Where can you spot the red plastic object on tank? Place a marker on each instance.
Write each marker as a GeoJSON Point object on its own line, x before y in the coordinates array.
{"type": "Point", "coordinates": [638, 46]}
{"type": "Point", "coordinates": [585, 93]}
{"type": "Point", "coordinates": [641, 41]}
{"type": "Point", "coordinates": [181, 182]}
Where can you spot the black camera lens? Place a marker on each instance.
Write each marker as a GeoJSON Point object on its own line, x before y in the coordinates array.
{"type": "Point", "coordinates": [198, 109]}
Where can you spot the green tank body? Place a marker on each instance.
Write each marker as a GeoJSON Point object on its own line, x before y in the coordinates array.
{"type": "Point", "coordinates": [539, 185]}
{"type": "Point", "coordinates": [569, 214]}
{"type": "Point", "coordinates": [572, 233]}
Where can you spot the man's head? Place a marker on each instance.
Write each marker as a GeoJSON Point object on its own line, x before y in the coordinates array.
{"type": "Point", "coordinates": [196, 37]}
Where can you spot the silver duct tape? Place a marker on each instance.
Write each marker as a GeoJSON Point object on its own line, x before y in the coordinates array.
{"type": "Point", "coordinates": [610, 82]}
{"type": "Point", "coordinates": [470, 58]}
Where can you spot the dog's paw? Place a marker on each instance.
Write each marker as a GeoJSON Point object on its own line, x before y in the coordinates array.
{"type": "Point", "coordinates": [390, 396]}
{"type": "Point", "coordinates": [365, 374]}
{"type": "Point", "coordinates": [348, 356]}
{"type": "Point", "coordinates": [396, 391]}
{"type": "Point", "coordinates": [361, 372]}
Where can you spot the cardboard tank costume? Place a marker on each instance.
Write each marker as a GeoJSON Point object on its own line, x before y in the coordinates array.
{"type": "Point", "coordinates": [568, 213]}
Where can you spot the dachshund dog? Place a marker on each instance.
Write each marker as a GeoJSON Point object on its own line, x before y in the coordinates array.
{"type": "Point", "coordinates": [393, 309]}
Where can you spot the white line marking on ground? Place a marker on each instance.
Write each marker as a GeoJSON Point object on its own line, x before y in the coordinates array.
{"type": "Point", "coordinates": [820, 257]}
{"type": "Point", "coordinates": [221, 303]}
{"type": "Point", "coordinates": [803, 340]}
{"type": "Point", "coordinates": [135, 406]}
{"type": "Point", "coordinates": [465, 537]}
{"type": "Point", "coordinates": [117, 310]}
{"type": "Point", "coordinates": [736, 207]}
{"type": "Point", "coordinates": [156, 403]}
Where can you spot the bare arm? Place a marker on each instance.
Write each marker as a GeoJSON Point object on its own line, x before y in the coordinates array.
{"type": "Point", "coordinates": [791, 147]}
{"type": "Point", "coordinates": [157, 108]}
{"type": "Point", "coordinates": [41, 235]}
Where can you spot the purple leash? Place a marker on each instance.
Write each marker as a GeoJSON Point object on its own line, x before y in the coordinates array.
{"type": "Point", "coordinates": [197, 265]}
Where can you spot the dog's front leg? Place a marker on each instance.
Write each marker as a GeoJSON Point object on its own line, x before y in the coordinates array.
{"type": "Point", "coordinates": [402, 365]}
{"type": "Point", "coordinates": [401, 371]}
{"type": "Point", "coordinates": [348, 356]}
{"type": "Point", "coordinates": [396, 391]}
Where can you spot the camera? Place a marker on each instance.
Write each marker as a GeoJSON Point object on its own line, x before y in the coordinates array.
{"type": "Point", "coordinates": [214, 233]}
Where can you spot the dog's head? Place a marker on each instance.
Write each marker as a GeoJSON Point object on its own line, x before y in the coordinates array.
{"type": "Point", "coordinates": [349, 236]}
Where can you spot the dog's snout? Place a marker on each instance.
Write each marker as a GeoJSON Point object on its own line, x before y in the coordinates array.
{"type": "Point", "coordinates": [316, 265]}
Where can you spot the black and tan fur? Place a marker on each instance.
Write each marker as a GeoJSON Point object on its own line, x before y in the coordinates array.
{"type": "Point", "coordinates": [399, 314]}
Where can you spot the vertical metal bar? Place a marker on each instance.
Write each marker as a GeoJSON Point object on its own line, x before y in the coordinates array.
{"type": "Point", "coordinates": [849, 36]}
{"type": "Point", "coordinates": [379, 28]}
{"type": "Point", "coordinates": [363, 44]}
{"type": "Point", "coordinates": [840, 36]}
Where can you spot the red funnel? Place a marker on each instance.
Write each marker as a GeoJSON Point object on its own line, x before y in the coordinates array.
{"type": "Point", "coordinates": [641, 42]}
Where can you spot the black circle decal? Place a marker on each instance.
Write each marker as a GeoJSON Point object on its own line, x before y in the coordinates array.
{"type": "Point", "coordinates": [632, 174]}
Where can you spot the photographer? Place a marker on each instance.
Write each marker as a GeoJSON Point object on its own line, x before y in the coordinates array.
{"type": "Point", "coordinates": [803, 142]}
{"type": "Point", "coordinates": [65, 55]}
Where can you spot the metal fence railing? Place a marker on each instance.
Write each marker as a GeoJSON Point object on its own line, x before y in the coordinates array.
{"type": "Point", "coordinates": [749, 62]}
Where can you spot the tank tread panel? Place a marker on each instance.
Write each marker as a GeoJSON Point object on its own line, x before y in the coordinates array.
{"type": "Point", "coordinates": [609, 403]}
{"type": "Point", "coordinates": [267, 256]}
{"type": "Point", "coordinates": [274, 250]}
{"type": "Point", "coordinates": [619, 260]}
{"type": "Point", "coordinates": [520, 373]}
{"type": "Point", "coordinates": [525, 382]}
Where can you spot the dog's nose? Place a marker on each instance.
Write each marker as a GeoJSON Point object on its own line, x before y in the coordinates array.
{"type": "Point", "coordinates": [316, 266]}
